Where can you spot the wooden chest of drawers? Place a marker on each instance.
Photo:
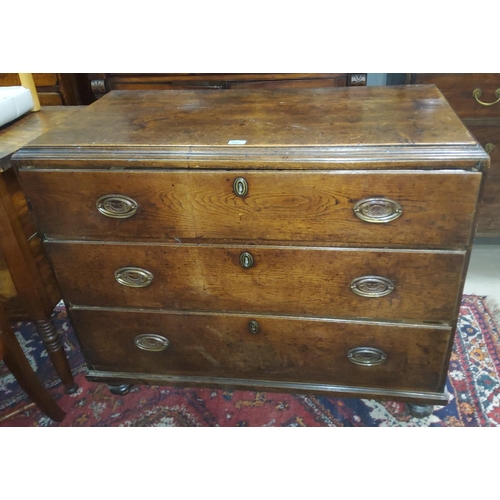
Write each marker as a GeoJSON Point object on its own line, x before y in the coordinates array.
{"type": "Point", "coordinates": [311, 240]}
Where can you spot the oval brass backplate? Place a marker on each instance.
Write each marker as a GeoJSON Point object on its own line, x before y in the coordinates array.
{"type": "Point", "coordinates": [366, 356]}
{"type": "Point", "coordinates": [117, 206]}
{"type": "Point", "coordinates": [372, 286]}
{"type": "Point", "coordinates": [377, 210]}
{"type": "Point", "coordinates": [134, 277]}
{"type": "Point", "coordinates": [151, 342]}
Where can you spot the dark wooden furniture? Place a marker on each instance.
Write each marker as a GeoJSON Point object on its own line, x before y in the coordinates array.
{"type": "Point", "coordinates": [104, 82]}
{"type": "Point", "coordinates": [13, 356]}
{"type": "Point", "coordinates": [299, 240]}
{"type": "Point", "coordinates": [475, 97]}
{"type": "Point", "coordinates": [27, 283]}
{"type": "Point", "coordinates": [56, 89]}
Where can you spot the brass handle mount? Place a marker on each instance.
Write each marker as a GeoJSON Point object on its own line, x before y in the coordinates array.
{"type": "Point", "coordinates": [477, 93]}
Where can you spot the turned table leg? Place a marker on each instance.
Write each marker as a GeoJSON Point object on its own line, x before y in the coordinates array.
{"type": "Point", "coordinates": [20, 367]}
{"type": "Point", "coordinates": [27, 278]}
{"type": "Point", "coordinates": [54, 346]}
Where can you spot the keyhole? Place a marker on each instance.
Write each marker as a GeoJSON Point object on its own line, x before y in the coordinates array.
{"type": "Point", "coordinates": [246, 260]}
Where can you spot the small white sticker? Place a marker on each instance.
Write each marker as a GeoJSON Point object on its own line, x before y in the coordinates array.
{"type": "Point", "coordinates": [237, 141]}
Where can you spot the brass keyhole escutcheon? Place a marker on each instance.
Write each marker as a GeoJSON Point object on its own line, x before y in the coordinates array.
{"type": "Point", "coordinates": [246, 260]}
{"type": "Point", "coordinates": [240, 187]}
{"type": "Point", "coordinates": [254, 327]}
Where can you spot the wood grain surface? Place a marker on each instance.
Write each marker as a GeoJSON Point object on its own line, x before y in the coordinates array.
{"type": "Point", "coordinates": [287, 349]}
{"type": "Point", "coordinates": [313, 207]}
{"type": "Point", "coordinates": [282, 280]}
{"type": "Point", "coordinates": [409, 115]}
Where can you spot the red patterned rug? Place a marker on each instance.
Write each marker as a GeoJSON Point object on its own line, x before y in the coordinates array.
{"type": "Point", "coordinates": [473, 385]}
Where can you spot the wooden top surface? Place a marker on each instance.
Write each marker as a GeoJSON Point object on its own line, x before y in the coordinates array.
{"type": "Point", "coordinates": [215, 124]}
{"type": "Point", "coordinates": [328, 117]}
{"type": "Point", "coordinates": [18, 133]}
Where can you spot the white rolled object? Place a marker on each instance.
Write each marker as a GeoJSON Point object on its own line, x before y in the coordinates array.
{"type": "Point", "coordinates": [14, 102]}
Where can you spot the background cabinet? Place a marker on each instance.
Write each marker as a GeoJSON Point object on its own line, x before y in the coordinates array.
{"type": "Point", "coordinates": [480, 113]}
{"type": "Point", "coordinates": [104, 82]}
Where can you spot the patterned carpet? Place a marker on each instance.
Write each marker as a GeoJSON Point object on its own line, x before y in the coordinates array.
{"type": "Point", "coordinates": [473, 385]}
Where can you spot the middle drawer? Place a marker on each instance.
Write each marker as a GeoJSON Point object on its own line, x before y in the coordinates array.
{"type": "Point", "coordinates": [355, 283]}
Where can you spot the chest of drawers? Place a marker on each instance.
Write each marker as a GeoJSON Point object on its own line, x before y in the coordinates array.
{"type": "Point", "coordinates": [310, 240]}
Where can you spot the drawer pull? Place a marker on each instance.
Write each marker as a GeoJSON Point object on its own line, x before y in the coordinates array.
{"type": "Point", "coordinates": [151, 342]}
{"type": "Point", "coordinates": [117, 206]}
{"type": "Point", "coordinates": [377, 210]}
{"type": "Point", "coordinates": [240, 187]}
{"type": "Point", "coordinates": [254, 327]}
{"type": "Point", "coordinates": [134, 277]}
{"type": "Point", "coordinates": [372, 286]}
{"type": "Point", "coordinates": [477, 93]}
{"type": "Point", "coordinates": [489, 147]}
{"type": "Point", "coordinates": [246, 260]}
{"type": "Point", "coordinates": [366, 356]}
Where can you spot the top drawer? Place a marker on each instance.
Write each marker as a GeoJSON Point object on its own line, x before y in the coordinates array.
{"type": "Point", "coordinates": [459, 90]}
{"type": "Point", "coordinates": [397, 209]}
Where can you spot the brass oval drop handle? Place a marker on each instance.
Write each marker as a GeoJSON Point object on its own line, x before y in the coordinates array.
{"type": "Point", "coordinates": [151, 342]}
{"type": "Point", "coordinates": [134, 277]}
{"type": "Point", "coordinates": [377, 210]}
{"type": "Point", "coordinates": [366, 356]}
{"type": "Point", "coordinates": [477, 93]}
{"type": "Point", "coordinates": [117, 206]}
{"type": "Point", "coordinates": [372, 286]}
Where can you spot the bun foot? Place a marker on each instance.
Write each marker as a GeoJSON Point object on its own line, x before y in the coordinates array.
{"type": "Point", "coordinates": [72, 389]}
{"type": "Point", "coordinates": [419, 411]}
{"type": "Point", "coordinates": [119, 390]}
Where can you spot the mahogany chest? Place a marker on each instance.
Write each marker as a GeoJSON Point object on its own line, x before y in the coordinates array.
{"type": "Point", "coordinates": [312, 240]}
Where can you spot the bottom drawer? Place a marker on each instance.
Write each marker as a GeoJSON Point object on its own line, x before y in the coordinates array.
{"type": "Point", "coordinates": [241, 346]}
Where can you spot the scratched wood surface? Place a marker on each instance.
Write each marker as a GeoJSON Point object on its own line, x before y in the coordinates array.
{"type": "Point", "coordinates": [289, 349]}
{"type": "Point", "coordinates": [282, 280]}
{"type": "Point", "coordinates": [308, 207]}
{"type": "Point", "coordinates": [307, 117]}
